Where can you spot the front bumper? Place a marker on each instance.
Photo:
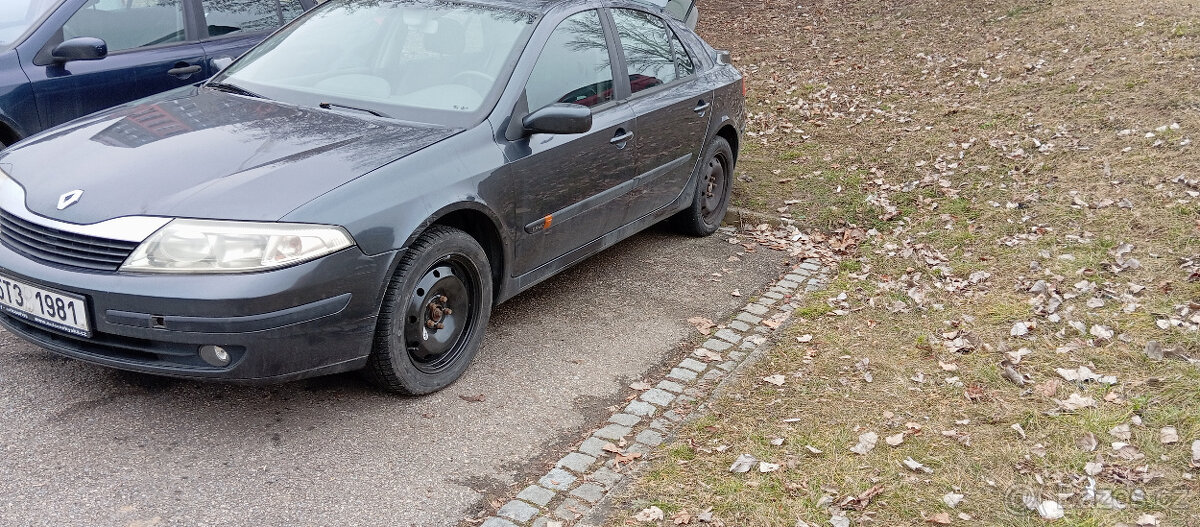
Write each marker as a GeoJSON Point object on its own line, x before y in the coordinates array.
{"type": "Point", "coordinates": [310, 319]}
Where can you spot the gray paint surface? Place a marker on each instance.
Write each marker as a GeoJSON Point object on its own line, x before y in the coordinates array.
{"type": "Point", "coordinates": [86, 445]}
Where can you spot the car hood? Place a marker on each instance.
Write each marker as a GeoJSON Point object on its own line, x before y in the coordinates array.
{"type": "Point", "coordinates": [206, 155]}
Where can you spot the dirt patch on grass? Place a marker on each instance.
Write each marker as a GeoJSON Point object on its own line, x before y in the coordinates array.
{"type": "Point", "coordinates": [1026, 176]}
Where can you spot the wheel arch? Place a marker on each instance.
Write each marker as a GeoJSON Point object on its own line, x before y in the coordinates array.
{"type": "Point", "coordinates": [8, 134]}
{"type": "Point", "coordinates": [482, 224]}
{"type": "Point", "coordinates": [730, 135]}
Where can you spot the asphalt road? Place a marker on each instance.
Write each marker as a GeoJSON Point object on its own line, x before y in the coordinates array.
{"type": "Point", "coordinates": [87, 446]}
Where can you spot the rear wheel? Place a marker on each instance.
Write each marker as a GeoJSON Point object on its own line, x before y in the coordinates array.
{"type": "Point", "coordinates": [715, 180]}
{"type": "Point", "coordinates": [433, 315]}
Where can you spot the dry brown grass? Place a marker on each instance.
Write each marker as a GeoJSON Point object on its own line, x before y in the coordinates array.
{"type": "Point", "coordinates": [1040, 92]}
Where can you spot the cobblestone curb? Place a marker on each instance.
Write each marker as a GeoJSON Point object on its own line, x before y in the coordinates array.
{"type": "Point", "coordinates": [582, 478]}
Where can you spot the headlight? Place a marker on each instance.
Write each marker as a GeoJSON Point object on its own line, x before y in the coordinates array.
{"type": "Point", "coordinates": [208, 246]}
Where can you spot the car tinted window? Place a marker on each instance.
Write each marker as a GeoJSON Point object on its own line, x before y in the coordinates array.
{"type": "Point", "coordinates": [128, 25]}
{"type": "Point", "coordinates": [646, 43]}
{"type": "Point", "coordinates": [227, 17]}
{"type": "Point", "coordinates": [574, 66]}
{"type": "Point", "coordinates": [683, 61]}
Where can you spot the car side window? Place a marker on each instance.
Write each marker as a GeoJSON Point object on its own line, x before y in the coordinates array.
{"type": "Point", "coordinates": [646, 43]}
{"type": "Point", "coordinates": [229, 17]}
{"type": "Point", "coordinates": [128, 25]}
{"type": "Point", "coordinates": [683, 62]}
{"type": "Point", "coordinates": [574, 67]}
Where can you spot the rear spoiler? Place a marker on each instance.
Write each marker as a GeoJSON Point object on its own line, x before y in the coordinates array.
{"type": "Point", "coordinates": [682, 10]}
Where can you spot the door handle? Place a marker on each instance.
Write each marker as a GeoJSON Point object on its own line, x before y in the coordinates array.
{"type": "Point", "coordinates": [183, 70]}
{"type": "Point", "coordinates": [701, 107]}
{"type": "Point", "coordinates": [621, 137]}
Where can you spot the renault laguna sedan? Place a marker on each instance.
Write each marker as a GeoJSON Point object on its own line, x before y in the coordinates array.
{"type": "Point", "coordinates": [359, 190]}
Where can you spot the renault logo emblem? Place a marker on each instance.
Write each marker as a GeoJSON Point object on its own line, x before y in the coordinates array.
{"type": "Point", "coordinates": [68, 199]}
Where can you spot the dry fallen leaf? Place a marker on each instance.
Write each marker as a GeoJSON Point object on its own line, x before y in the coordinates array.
{"type": "Point", "coordinates": [681, 517]}
{"type": "Point", "coordinates": [764, 467]}
{"type": "Point", "coordinates": [743, 463]}
{"type": "Point", "coordinates": [473, 398]}
{"type": "Point", "coordinates": [640, 386]}
{"type": "Point", "coordinates": [941, 518]}
{"type": "Point", "coordinates": [649, 514]}
{"type": "Point", "coordinates": [916, 466]}
{"type": "Point", "coordinates": [866, 443]}
{"type": "Point", "coordinates": [804, 338]}
{"type": "Point", "coordinates": [703, 325]}
{"type": "Point", "coordinates": [627, 458]}
{"type": "Point", "coordinates": [1168, 435]}
{"type": "Point", "coordinates": [895, 440]}
{"type": "Point", "coordinates": [1050, 510]}
{"type": "Point", "coordinates": [777, 379]}
{"type": "Point", "coordinates": [707, 354]}
{"type": "Point", "coordinates": [952, 500]}
{"type": "Point", "coordinates": [1087, 442]}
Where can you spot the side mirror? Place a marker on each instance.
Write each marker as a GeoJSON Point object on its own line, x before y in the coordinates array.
{"type": "Point", "coordinates": [80, 48]}
{"type": "Point", "coordinates": [559, 118]}
{"type": "Point", "coordinates": [723, 57]}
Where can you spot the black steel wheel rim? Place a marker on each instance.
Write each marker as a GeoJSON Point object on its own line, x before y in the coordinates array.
{"type": "Point", "coordinates": [713, 188]}
{"type": "Point", "coordinates": [440, 314]}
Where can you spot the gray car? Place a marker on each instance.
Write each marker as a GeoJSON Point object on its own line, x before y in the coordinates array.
{"type": "Point", "coordinates": [359, 190]}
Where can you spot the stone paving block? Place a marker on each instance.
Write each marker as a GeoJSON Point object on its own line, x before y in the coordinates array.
{"type": "Point", "coordinates": [736, 355]}
{"type": "Point", "coordinates": [809, 266]}
{"type": "Point", "coordinates": [576, 462]}
{"type": "Point", "coordinates": [537, 495]}
{"type": "Point", "coordinates": [649, 437]}
{"type": "Point", "coordinates": [682, 374]}
{"type": "Point", "coordinates": [717, 344]}
{"type": "Point", "coordinates": [738, 325]}
{"type": "Point", "coordinates": [660, 424]}
{"type": "Point", "coordinates": [748, 318]}
{"type": "Point", "coordinates": [713, 375]}
{"type": "Point", "coordinates": [785, 292]}
{"type": "Point", "coordinates": [571, 509]}
{"type": "Point", "coordinates": [518, 510]}
{"type": "Point", "coordinates": [557, 479]}
{"type": "Point", "coordinates": [773, 295]}
{"type": "Point", "coordinates": [728, 365]}
{"type": "Point", "coordinates": [796, 277]}
{"type": "Point", "coordinates": [640, 408]}
{"type": "Point", "coordinates": [613, 431]}
{"type": "Point", "coordinates": [755, 309]}
{"type": "Point", "coordinates": [657, 396]}
{"type": "Point", "coordinates": [625, 419]}
{"type": "Point", "coordinates": [589, 492]}
{"type": "Point", "coordinates": [766, 301]}
{"type": "Point", "coordinates": [786, 284]}
{"type": "Point", "coordinates": [669, 386]}
{"type": "Point", "coordinates": [606, 477]}
{"type": "Point", "coordinates": [693, 364]}
{"type": "Point", "coordinates": [542, 521]}
{"type": "Point", "coordinates": [497, 522]}
{"type": "Point", "coordinates": [671, 415]}
{"type": "Point", "coordinates": [684, 399]}
{"type": "Point", "coordinates": [728, 334]}
{"type": "Point", "coordinates": [812, 287]}
{"type": "Point", "coordinates": [592, 446]}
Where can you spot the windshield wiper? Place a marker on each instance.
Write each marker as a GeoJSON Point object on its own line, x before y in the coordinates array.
{"type": "Point", "coordinates": [329, 105]}
{"type": "Point", "coordinates": [233, 88]}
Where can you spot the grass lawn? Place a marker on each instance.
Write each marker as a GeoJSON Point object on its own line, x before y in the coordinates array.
{"type": "Point", "coordinates": [1026, 176]}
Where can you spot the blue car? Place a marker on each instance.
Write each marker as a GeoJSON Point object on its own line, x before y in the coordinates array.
{"type": "Point", "coordinates": [62, 59]}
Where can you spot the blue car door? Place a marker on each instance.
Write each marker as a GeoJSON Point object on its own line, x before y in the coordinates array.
{"type": "Point", "coordinates": [231, 28]}
{"type": "Point", "coordinates": [151, 48]}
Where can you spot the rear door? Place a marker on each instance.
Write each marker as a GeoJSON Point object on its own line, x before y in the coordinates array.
{"type": "Point", "coordinates": [230, 27]}
{"type": "Point", "coordinates": [671, 106]}
{"type": "Point", "coordinates": [151, 48]}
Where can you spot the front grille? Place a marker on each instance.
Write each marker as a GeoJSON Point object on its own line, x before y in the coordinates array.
{"type": "Point", "coordinates": [62, 247]}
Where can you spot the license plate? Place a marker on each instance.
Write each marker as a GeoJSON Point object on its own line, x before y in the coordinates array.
{"type": "Point", "coordinates": [54, 309]}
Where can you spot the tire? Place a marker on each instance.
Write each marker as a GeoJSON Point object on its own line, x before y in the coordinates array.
{"type": "Point", "coordinates": [714, 181]}
{"type": "Point", "coordinates": [419, 347]}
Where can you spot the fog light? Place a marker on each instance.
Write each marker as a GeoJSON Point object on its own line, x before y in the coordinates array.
{"type": "Point", "coordinates": [215, 355]}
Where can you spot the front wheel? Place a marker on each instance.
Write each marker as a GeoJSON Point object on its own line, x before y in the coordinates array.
{"type": "Point", "coordinates": [715, 181]}
{"type": "Point", "coordinates": [433, 315]}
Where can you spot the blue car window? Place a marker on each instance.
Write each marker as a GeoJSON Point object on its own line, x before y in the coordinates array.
{"type": "Point", "coordinates": [128, 25]}
{"type": "Point", "coordinates": [574, 66]}
{"type": "Point", "coordinates": [229, 17]}
{"type": "Point", "coordinates": [646, 42]}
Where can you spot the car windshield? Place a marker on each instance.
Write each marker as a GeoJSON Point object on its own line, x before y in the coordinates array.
{"type": "Point", "coordinates": [18, 16]}
{"type": "Point", "coordinates": [425, 61]}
